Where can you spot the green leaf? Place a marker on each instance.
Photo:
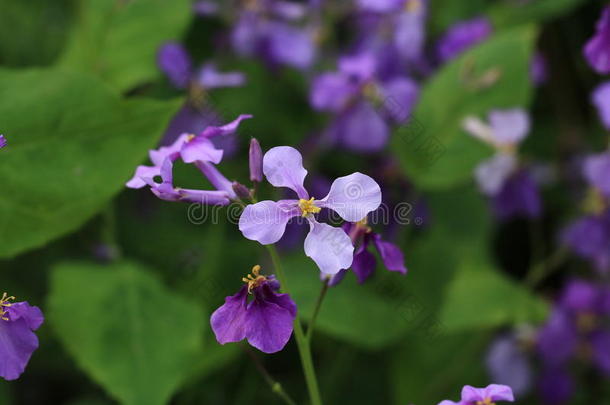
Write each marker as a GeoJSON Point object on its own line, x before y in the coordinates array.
{"type": "Point", "coordinates": [72, 146]}
{"type": "Point", "coordinates": [434, 150]}
{"type": "Point", "coordinates": [118, 39]}
{"type": "Point", "coordinates": [131, 335]}
{"type": "Point", "coordinates": [481, 297]}
{"type": "Point", "coordinates": [509, 13]}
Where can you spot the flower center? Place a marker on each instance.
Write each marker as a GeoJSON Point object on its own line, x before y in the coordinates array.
{"type": "Point", "coordinates": [363, 224]}
{"type": "Point", "coordinates": [412, 6]}
{"type": "Point", "coordinates": [4, 303]}
{"type": "Point", "coordinates": [308, 207]}
{"type": "Point", "coordinates": [255, 279]}
{"type": "Point", "coordinates": [594, 202]}
{"type": "Point", "coordinates": [486, 401]}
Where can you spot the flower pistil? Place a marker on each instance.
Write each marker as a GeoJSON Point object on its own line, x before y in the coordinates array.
{"type": "Point", "coordinates": [308, 207]}
{"type": "Point", "coordinates": [5, 303]}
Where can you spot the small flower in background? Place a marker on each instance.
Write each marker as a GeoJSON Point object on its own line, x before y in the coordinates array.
{"type": "Point", "coordinates": [352, 197]}
{"type": "Point", "coordinates": [589, 236]}
{"type": "Point", "coordinates": [266, 321]}
{"type": "Point", "coordinates": [360, 101]}
{"type": "Point", "coordinates": [198, 150]}
{"type": "Point", "coordinates": [578, 325]}
{"type": "Point", "coordinates": [462, 36]}
{"type": "Point", "coordinates": [483, 396]}
{"type": "Point", "coordinates": [174, 61]}
{"type": "Point", "coordinates": [18, 320]}
{"type": "Point", "coordinates": [597, 50]}
{"type": "Point", "coordinates": [3, 141]}
{"type": "Point", "coordinates": [364, 263]}
{"type": "Point", "coordinates": [601, 101]}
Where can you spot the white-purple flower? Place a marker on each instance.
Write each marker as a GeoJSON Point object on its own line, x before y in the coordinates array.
{"type": "Point", "coordinates": [195, 149]}
{"type": "Point", "coordinates": [18, 321]}
{"type": "Point", "coordinates": [597, 50]}
{"type": "Point", "coordinates": [483, 396]}
{"type": "Point", "coordinates": [462, 36]}
{"type": "Point", "coordinates": [352, 197]}
{"type": "Point", "coordinates": [266, 321]}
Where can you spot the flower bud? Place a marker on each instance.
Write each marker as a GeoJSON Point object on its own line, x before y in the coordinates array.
{"type": "Point", "coordinates": [256, 161]}
{"type": "Point", "coordinates": [241, 191]}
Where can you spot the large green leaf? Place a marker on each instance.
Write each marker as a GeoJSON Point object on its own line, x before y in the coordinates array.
{"type": "Point", "coordinates": [118, 39]}
{"type": "Point", "coordinates": [72, 145]}
{"type": "Point", "coordinates": [481, 297]}
{"type": "Point", "coordinates": [433, 149]}
{"type": "Point", "coordinates": [131, 335]}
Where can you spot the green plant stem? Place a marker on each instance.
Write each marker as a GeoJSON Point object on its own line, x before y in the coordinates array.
{"type": "Point", "coordinates": [545, 268]}
{"type": "Point", "coordinates": [302, 342]}
{"type": "Point", "coordinates": [275, 386]}
{"type": "Point", "coordinates": [316, 311]}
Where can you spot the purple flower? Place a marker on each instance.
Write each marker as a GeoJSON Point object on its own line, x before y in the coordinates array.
{"type": "Point", "coordinates": [538, 69]}
{"type": "Point", "coordinates": [507, 363]}
{"type": "Point", "coordinates": [174, 61]}
{"type": "Point", "coordinates": [198, 150]}
{"type": "Point", "coordinates": [3, 142]}
{"type": "Point", "coordinates": [352, 197]}
{"type": "Point", "coordinates": [505, 131]}
{"type": "Point", "coordinates": [266, 321]}
{"type": "Point", "coordinates": [601, 101]}
{"type": "Point", "coordinates": [483, 396]}
{"type": "Point", "coordinates": [589, 238]}
{"type": "Point", "coordinates": [463, 36]}
{"type": "Point", "coordinates": [17, 322]}
{"type": "Point", "coordinates": [578, 320]}
{"type": "Point", "coordinates": [597, 50]}
{"type": "Point", "coordinates": [597, 172]}
{"type": "Point", "coordinates": [518, 197]}
{"type": "Point", "coordinates": [364, 261]}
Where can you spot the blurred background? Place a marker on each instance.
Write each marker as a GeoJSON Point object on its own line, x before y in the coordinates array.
{"type": "Point", "coordinates": [507, 267]}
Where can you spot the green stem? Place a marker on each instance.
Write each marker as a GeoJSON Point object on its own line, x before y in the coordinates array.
{"type": "Point", "coordinates": [545, 268]}
{"type": "Point", "coordinates": [302, 342]}
{"type": "Point", "coordinates": [316, 311]}
{"type": "Point", "coordinates": [275, 386]}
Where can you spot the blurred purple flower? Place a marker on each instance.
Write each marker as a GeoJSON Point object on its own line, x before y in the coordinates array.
{"type": "Point", "coordinates": [601, 101]}
{"type": "Point", "coordinates": [198, 150]}
{"type": "Point", "coordinates": [266, 321]}
{"type": "Point", "coordinates": [3, 141]}
{"type": "Point", "coordinates": [538, 69]}
{"type": "Point", "coordinates": [364, 261]}
{"type": "Point", "coordinates": [597, 172]}
{"type": "Point", "coordinates": [352, 197]}
{"type": "Point", "coordinates": [18, 321]}
{"type": "Point", "coordinates": [519, 197]}
{"type": "Point", "coordinates": [597, 49]}
{"type": "Point", "coordinates": [174, 61]}
{"type": "Point", "coordinates": [589, 238]}
{"type": "Point", "coordinates": [483, 396]}
{"type": "Point", "coordinates": [462, 36]}
{"type": "Point", "coordinates": [255, 161]}
{"type": "Point", "coordinates": [508, 363]}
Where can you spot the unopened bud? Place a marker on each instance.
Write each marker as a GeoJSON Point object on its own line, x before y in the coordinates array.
{"type": "Point", "coordinates": [256, 161]}
{"type": "Point", "coordinates": [241, 191]}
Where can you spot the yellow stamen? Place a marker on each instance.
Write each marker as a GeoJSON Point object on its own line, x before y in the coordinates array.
{"type": "Point", "coordinates": [413, 5]}
{"type": "Point", "coordinates": [308, 207]}
{"type": "Point", "coordinates": [4, 303]}
{"type": "Point", "coordinates": [486, 401]}
{"type": "Point", "coordinates": [255, 279]}
{"type": "Point", "coordinates": [363, 224]}
{"type": "Point", "coordinates": [594, 202]}
{"type": "Point", "coordinates": [190, 137]}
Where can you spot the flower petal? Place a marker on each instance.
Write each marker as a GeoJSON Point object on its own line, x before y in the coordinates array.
{"type": "Point", "coordinates": [158, 156]}
{"type": "Point", "coordinates": [17, 343]}
{"type": "Point", "coordinates": [229, 321]}
{"type": "Point", "coordinates": [269, 326]}
{"type": "Point", "coordinates": [31, 314]}
{"type": "Point", "coordinates": [226, 129]}
{"type": "Point", "coordinates": [143, 176]}
{"type": "Point", "coordinates": [283, 167]}
{"type": "Point", "coordinates": [364, 264]}
{"type": "Point", "coordinates": [203, 197]}
{"type": "Point", "coordinates": [217, 179]}
{"type": "Point", "coordinates": [209, 77]}
{"type": "Point", "coordinates": [353, 196]}
{"type": "Point", "coordinates": [492, 174]}
{"type": "Point", "coordinates": [331, 91]}
{"type": "Point", "coordinates": [498, 392]}
{"type": "Point", "coordinates": [200, 149]}
{"type": "Point", "coordinates": [509, 127]}
{"type": "Point", "coordinates": [392, 256]}
{"type": "Point", "coordinates": [174, 61]}
{"type": "Point", "coordinates": [597, 172]}
{"type": "Point", "coordinates": [265, 221]}
{"type": "Point", "coordinates": [329, 247]}
{"type": "Point", "coordinates": [362, 129]}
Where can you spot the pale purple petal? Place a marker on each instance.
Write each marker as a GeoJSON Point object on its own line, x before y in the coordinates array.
{"type": "Point", "coordinates": [597, 172]}
{"type": "Point", "coordinates": [597, 50]}
{"type": "Point", "coordinates": [204, 197]}
{"type": "Point", "coordinates": [331, 92]}
{"type": "Point", "coordinates": [291, 45]}
{"type": "Point", "coordinates": [463, 36]}
{"type": "Point", "coordinates": [218, 180]}
{"type": "Point", "coordinates": [508, 364]}
{"type": "Point", "coordinates": [491, 174]}
{"type": "Point", "coordinates": [209, 77]}
{"type": "Point", "coordinates": [143, 176]}
{"type": "Point", "coordinates": [380, 6]}
{"type": "Point", "coordinates": [229, 321]}
{"type": "Point", "coordinates": [362, 129]}
{"type": "Point", "coordinates": [329, 247]}
{"type": "Point", "coordinates": [205, 8]}
{"type": "Point", "coordinates": [353, 196]}
{"type": "Point", "coordinates": [361, 66]}
{"type": "Point", "coordinates": [495, 392]}
{"type": "Point", "coordinates": [269, 326]}
{"type": "Point", "coordinates": [158, 156]}
{"type": "Point", "coordinates": [509, 127]}
{"type": "Point", "coordinates": [448, 402]}
{"type": "Point", "coordinates": [391, 255]}
{"type": "Point", "coordinates": [174, 61]}
{"type": "Point", "coordinates": [288, 10]}
{"type": "Point", "coordinates": [265, 221]}
{"type": "Point", "coordinates": [399, 95]}
{"type": "Point", "coordinates": [410, 31]}
{"type": "Point", "coordinates": [200, 149]}
{"type": "Point", "coordinates": [283, 167]}
{"type": "Point", "coordinates": [226, 129]}
{"type": "Point", "coordinates": [601, 101]}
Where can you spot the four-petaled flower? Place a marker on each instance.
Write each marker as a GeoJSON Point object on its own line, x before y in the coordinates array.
{"type": "Point", "coordinates": [483, 396]}
{"type": "Point", "coordinates": [352, 197]}
{"type": "Point", "coordinates": [198, 150]}
{"type": "Point", "coordinates": [18, 320]}
{"type": "Point", "coordinates": [266, 321]}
